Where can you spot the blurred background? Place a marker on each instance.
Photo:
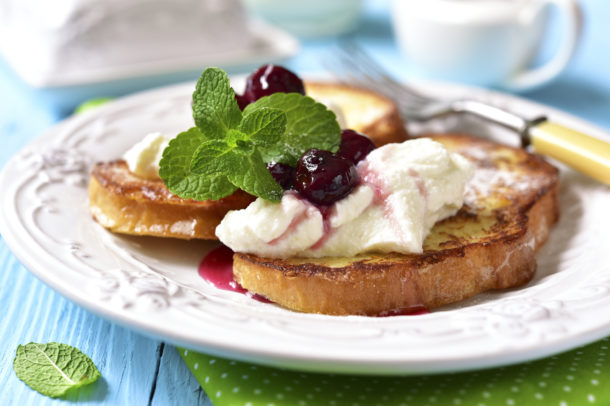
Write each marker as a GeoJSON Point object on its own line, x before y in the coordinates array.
{"type": "Point", "coordinates": [55, 55]}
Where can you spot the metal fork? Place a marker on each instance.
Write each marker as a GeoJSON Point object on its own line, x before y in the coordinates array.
{"type": "Point", "coordinates": [584, 153]}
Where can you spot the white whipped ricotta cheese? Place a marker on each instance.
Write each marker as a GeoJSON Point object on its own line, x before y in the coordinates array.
{"type": "Point", "coordinates": [143, 158]}
{"type": "Point", "coordinates": [405, 189]}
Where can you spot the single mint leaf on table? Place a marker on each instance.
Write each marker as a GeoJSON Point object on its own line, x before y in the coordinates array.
{"type": "Point", "coordinates": [215, 109]}
{"type": "Point", "coordinates": [53, 369]}
{"type": "Point", "coordinates": [175, 170]}
{"type": "Point", "coordinates": [309, 125]}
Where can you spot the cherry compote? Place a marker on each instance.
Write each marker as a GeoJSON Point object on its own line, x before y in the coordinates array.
{"type": "Point", "coordinates": [269, 79]}
{"type": "Point", "coordinates": [282, 173]}
{"type": "Point", "coordinates": [242, 101]}
{"type": "Point", "coordinates": [354, 145]}
{"type": "Point", "coordinates": [324, 178]}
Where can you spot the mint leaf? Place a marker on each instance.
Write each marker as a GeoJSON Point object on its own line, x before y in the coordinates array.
{"type": "Point", "coordinates": [215, 109]}
{"type": "Point", "coordinates": [242, 164]}
{"type": "Point", "coordinates": [215, 157]}
{"type": "Point", "coordinates": [308, 125]}
{"type": "Point", "coordinates": [236, 138]}
{"type": "Point", "coordinates": [254, 178]}
{"type": "Point", "coordinates": [205, 188]}
{"type": "Point", "coordinates": [264, 126]}
{"type": "Point", "coordinates": [175, 170]}
{"type": "Point", "coordinates": [53, 369]}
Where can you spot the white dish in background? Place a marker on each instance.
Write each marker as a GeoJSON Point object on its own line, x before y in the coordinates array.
{"type": "Point", "coordinates": [267, 43]}
{"type": "Point", "coordinates": [93, 41]}
{"type": "Point", "coordinates": [152, 285]}
{"type": "Point", "coordinates": [66, 89]}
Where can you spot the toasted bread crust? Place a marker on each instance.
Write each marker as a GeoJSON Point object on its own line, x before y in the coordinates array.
{"type": "Point", "coordinates": [126, 203]}
{"type": "Point", "coordinates": [510, 206]}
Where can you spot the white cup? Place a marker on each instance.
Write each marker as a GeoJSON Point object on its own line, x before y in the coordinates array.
{"type": "Point", "coordinates": [484, 42]}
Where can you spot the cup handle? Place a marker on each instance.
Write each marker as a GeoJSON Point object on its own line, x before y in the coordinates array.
{"type": "Point", "coordinates": [571, 16]}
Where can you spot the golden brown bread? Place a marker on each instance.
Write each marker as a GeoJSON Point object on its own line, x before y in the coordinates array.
{"type": "Point", "coordinates": [125, 203]}
{"type": "Point", "coordinates": [510, 206]}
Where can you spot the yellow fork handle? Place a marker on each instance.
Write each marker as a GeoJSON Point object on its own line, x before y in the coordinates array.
{"type": "Point", "coordinates": [582, 152]}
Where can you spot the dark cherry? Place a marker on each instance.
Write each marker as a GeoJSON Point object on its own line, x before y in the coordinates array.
{"type": "Point", "coordinates": [242, 101]}
{"type": "Point", "coordinates": [355, 146]}
{"type": "Point", "coordinates": [323, 177]}
{"type": "Point", "coordinates": [282, 173]}
{"type": "Point", "coordinates": [269, 79]}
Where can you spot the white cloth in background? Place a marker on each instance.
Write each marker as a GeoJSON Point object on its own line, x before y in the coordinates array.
{"type": "Point", "coordinates": [48, 42]}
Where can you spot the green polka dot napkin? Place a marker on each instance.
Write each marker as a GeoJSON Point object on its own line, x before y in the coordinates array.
{"type": "Point", "coordinates": [578, 377]}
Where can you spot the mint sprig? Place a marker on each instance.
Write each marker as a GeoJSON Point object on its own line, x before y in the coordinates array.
{"type": "Point", "coordinates": [228, 149]}
{"type": "Point", "coordinates": [309, 125]}
{"type": "Point", "coordinates": [53, 369]}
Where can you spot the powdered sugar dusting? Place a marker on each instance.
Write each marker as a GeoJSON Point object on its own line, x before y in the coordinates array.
{"type": "Point", "coordinates": [499, 174]}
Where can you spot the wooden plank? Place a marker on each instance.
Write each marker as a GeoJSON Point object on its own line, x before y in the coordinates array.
{"type": "Point", "coordinates": [175, 384]}
{"type": "Point", "coordinates": [34, 312]}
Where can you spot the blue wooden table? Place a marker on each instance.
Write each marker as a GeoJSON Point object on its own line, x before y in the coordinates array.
{"type": "Point", "coordinates": [138, 370]}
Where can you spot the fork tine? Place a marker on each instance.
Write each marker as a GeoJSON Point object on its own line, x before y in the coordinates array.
{"type": "Point", "coordinates": [357, 67]}
{"type": "Point", "coordinates": [363, 62]}
{"type": "Point", "coordinates": [345, 70]}
{"type": "Point", "coordinates": [353, 74]}
{"type": "Point", "coordinates": [366, 77]}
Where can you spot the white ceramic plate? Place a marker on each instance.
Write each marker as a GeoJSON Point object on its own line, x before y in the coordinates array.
{"type": "Point", "coordinates": [152, 285]}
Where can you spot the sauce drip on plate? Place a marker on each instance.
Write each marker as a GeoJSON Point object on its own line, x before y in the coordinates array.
{"type": "Point", "coordinates": [217, 269]}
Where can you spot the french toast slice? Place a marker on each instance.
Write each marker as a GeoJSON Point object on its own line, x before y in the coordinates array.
{"type": "Point", "coordinates": [128, 204]}
{"type": "Point", "coordinates": [509, 207]}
